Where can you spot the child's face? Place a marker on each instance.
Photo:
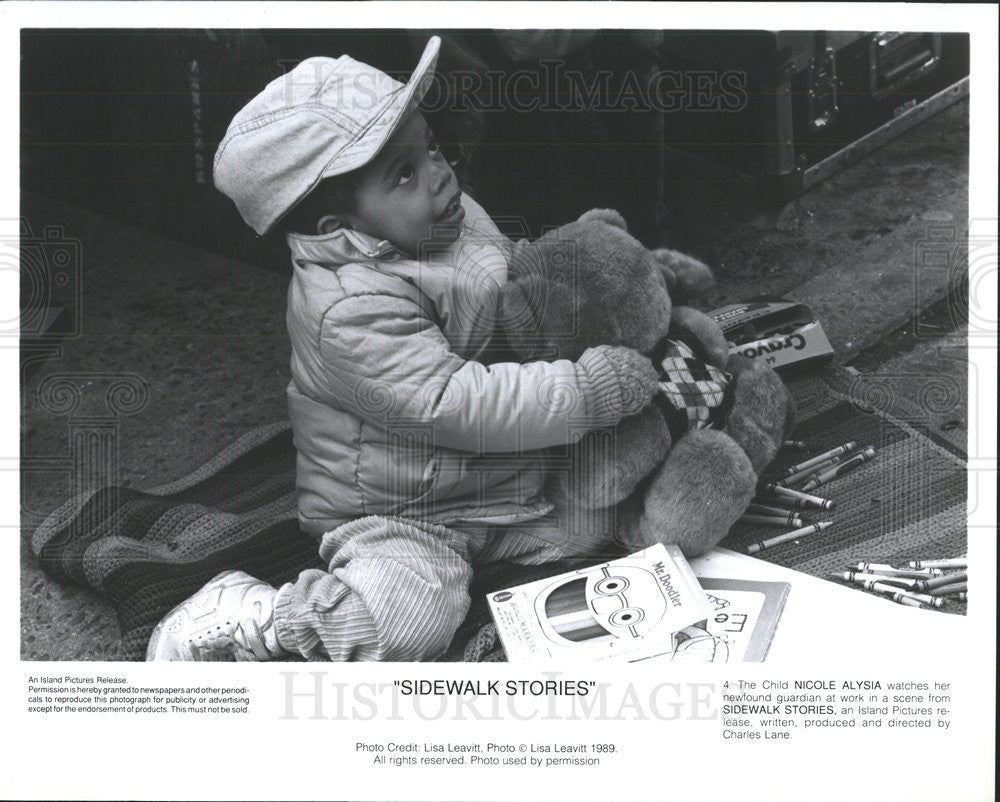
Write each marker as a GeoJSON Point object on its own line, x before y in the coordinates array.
{"type": "Point", "coordinates": [408, 193]}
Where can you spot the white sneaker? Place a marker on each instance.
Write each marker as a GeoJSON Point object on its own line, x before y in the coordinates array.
{"type": "Point", "coordinates": [231, 618]}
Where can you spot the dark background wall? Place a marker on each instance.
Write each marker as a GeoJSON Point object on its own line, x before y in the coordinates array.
{"type": "Point", "coordinates": [127, 122]}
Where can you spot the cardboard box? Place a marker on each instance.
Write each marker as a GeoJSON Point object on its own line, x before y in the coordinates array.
{"type": "Point", "coordinates": [784, 334]}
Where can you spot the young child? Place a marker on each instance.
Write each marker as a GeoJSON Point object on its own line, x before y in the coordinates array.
{"type": "Point", "coordinates": [412, 453]}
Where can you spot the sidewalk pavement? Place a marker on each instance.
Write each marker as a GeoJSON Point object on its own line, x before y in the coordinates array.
{"type": "Point", "coordinates": [205, 334]}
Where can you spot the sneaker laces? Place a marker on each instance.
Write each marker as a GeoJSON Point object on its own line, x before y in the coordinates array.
{"type": "Point", "coordinates": [250, 640]}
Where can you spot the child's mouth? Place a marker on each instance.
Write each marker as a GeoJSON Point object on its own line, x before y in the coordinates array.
{"type": "Point", "coordinates": [453, 212]}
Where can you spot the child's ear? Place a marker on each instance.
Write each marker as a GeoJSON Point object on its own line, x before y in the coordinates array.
{"type": "Point", "coordinates": [330, 223]}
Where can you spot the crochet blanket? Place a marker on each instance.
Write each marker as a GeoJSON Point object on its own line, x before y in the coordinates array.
{"type": "Point", "coordinates": [146, 551]}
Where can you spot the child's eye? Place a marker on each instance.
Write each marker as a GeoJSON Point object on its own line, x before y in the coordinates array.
{"type": "Point", "coordinates": [405, 175]}
{"type": "Point", "coordinates": [433, 148]}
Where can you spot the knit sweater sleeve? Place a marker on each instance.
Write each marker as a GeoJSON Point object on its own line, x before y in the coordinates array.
{"type": "Point", "coordinates": [387, 362]}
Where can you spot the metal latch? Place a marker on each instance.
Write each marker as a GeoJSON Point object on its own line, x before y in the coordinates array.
{"type": "Point", "coordinates": [898, 59]}
{"type": "Point", "coordinates": [821, 97]}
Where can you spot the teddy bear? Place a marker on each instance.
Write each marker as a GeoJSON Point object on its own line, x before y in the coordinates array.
{"type": "Point", "coordinates": [684, 469]}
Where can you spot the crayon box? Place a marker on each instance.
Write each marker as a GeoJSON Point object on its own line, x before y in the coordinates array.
{"type": "Point", "coordinates": [782, 333]}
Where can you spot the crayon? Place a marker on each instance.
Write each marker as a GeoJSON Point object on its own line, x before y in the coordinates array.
{"type": "Point", "coordinates": [909, 601]}
{"type": "Point", "coordinates": [924, 585]}
{"type": "Point", "coordinates": [764, 509]}
{"type": "Point", "coordinates": [800, 445]}
{"type": "Point", "coordinates": [923, 598]}
{"type": "Point", "coordinates": [897, 595]}
{"type": "Point", "coordinates": [760, 545]}
{"type": "Point", "coordinates": [772, 520]}
{"type": "Point", "coordinates": [953, 589]}
{"type": "Point", "coordinates": [888, 570]}
{"type": "Point", "coordinates": [820, 458]}
{"type": "Point", "coordinates": [849, 464]}
{"type": "Point", "coordinates": [791, 503]}
{"type": "Point", "coordinates": [951, 562]}
{"type": "Point", "coordinates": [805, 473]}
{"type": "Point", "coordinates": [789, 496]}
{"type": "Point", "coordinates": [860, 577]}
{"type": "Point", "coordinates": [881, 587]}
{"type": "Point", "coordinates": [784, 502]}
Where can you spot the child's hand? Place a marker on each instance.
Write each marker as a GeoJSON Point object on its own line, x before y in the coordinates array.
{"type": "Point", "coordinates": [624, 380]}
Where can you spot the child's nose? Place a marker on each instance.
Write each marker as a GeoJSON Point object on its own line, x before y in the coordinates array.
{"type": "Point", "coordinates": [440, 176]}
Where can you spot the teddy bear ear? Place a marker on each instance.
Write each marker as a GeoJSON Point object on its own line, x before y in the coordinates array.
{"type": "Point", "coordinates": [609, 216]}
{"type": "Point", "coordinates": [686, 277]}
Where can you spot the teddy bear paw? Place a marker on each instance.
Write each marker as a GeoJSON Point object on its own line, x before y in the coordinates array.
{"type": "Point", "coordinates": [762, 411]}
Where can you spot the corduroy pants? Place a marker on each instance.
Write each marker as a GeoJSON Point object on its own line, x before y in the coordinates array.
{"type": "Point", "coordinates": [398, 589]}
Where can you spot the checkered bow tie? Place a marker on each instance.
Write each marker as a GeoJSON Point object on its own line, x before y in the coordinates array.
{"type": "Point", "coordinates": [694, 394]}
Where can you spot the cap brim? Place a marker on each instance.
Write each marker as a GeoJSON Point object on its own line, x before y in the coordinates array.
{"type": "Point", "coordinates": [367, 147]}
